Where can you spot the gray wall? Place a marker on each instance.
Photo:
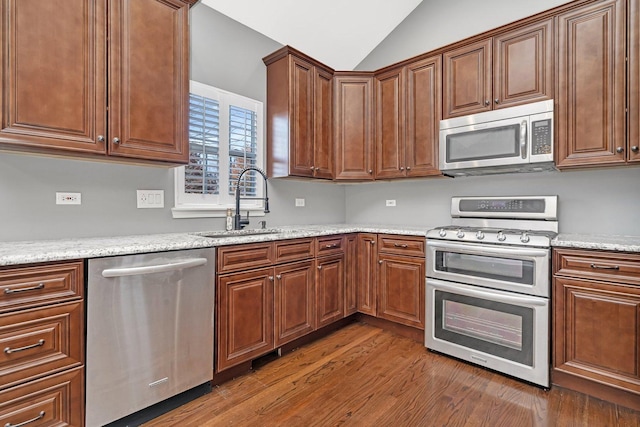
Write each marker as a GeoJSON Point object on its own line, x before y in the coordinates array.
{"type": "Point", "coordinates": [437, 23]}
{"type": "Point", "coordinates": [225, 54]}
{"type": "Point", "coordinates": [591, 201]}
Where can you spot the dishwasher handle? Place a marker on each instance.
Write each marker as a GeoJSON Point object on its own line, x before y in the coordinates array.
{"type": "Point", "coordinates": [150, 269]}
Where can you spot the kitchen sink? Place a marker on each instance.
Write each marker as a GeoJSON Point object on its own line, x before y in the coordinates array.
{"type": "Point", "coordinates": [235, 233]}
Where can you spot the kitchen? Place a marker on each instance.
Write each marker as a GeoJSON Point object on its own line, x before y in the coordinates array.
{"type": "Point", "coordinates": [592, 201]}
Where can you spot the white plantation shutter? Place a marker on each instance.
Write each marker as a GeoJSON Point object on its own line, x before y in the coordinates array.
{"type": "Point", "coordinates": [225, 136]}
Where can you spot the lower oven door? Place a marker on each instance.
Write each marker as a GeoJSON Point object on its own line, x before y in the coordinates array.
{"type": "Point", "coordinates": [502, 331]}
{"type": "Point", "coordinates": [509, 268]}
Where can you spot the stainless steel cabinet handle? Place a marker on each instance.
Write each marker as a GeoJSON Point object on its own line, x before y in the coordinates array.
{"type": "Point", "coordinates": [619, 150]}
{"type": "Point", "coordinates": [398, 245]}
{"type": "Point", "coordinates": [635, 148]}
{"type": "Point", "coordinates": [9, 350]}
{"type": "Point", "coordinates": [150, 269]}
{"type": "Point", "coordinates": [8, 291]}
{"type": "Point", "coordinates": [100, 138]}
{"type": "Point", "coordinates": [116, 140]}
{"type": "Point", "coordinates": [605, 267]}
{"type": "Point", "coordinates": [523, 139]}
{"type": "Point", "coordinates": [24, 423]}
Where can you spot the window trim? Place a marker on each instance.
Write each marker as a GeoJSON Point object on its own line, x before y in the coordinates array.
{"type": "Point", "coordinates": [208, 206]}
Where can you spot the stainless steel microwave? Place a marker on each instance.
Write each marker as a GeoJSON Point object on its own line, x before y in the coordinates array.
{"type": "Point", "coordinates": [513, 139]}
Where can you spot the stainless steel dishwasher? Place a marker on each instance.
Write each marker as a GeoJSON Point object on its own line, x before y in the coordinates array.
{"type": "Point", "coordinates": [149, 330]}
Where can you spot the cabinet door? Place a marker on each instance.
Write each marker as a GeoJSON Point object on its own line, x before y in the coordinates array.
{"type": "Point", "coordinates": [597, 332]}
{"type": "Point", "coordinates": [390, 128]}
{"type": "Point", "coordinates": [353, 114]}
{"type": "Point", "coordinates": [523, 65]}
{"type": "Point", "coordinates": [401, 289]}
{"type": "Point", "coordinates": [351, 274]}
{"type": "Point", "coordinates": [590, 125]}
{"type": "Point", "coordinates": [323, 125]}
{"type": "Point", "coordinates": [366, 274]}
{"type": "Point", "coordinates": [245, 317]}
{"type": "Point", "coordinates": [294, 301]}
{"type": "Point", "coordinates": [53, 74]}
{"type": "Point", "coordinates": [330, 289]}
{"type": "Point", "coordinates": [424, 112]}
{"type": "Point", "coordinates": [301, 123]}
{"type": "Point", "coordinates": [467, 79]}
{"type": "Point", "coordinates": [634, 81]}
{"type": "Point", "coordinates": [149, 79]}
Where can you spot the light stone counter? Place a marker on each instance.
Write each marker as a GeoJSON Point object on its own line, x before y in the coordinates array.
{"type": "Point", "coordinates": [26, 252]}
{"type": "Point", "coordinates": [598, 242]}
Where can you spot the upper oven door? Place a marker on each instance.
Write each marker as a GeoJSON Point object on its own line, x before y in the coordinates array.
{"type": "Point", "coordinates": [496, 143]}
{"type": "Point", "coordinates": [510, 268]}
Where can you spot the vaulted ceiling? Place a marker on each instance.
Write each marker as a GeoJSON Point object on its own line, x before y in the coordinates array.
{"type": "Point", "coordinates": [339, 33]}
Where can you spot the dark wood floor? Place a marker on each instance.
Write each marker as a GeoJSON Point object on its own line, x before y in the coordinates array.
{"type": "Point", "coordinates": [364, 376]}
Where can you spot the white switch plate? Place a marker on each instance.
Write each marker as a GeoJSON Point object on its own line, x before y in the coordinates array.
{"type": "Point", "coordinates": [300, 203]}
{"type": "Point", "coordinates": [150, 199]}
{"type": "Point", "coordinates": [68, 198]}
{"type": "Point", "coordinates": [391, 202]}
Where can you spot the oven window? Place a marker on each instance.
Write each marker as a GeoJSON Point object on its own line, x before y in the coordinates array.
{"type": "Point", "coordinates": [485, 266]}
{"type": "Point", "coordinates": [491, 143]}
{"type": "Point", "coordinates": [504, 330]}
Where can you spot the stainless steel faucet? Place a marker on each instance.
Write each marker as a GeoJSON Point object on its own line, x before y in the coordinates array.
{"type": "Point", "coordinates": [238, 222]}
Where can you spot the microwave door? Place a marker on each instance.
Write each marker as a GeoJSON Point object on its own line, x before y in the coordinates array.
{"type": "Point", "coordinates": [498, 143]}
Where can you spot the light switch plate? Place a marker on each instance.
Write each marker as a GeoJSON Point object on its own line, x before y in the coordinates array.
{"type": "Point", "coordinates": [299, 203]}
{"type": "Point", "coordinates": [63, 198]}
{"type": "Point", "coordinates": [391, 202]}
{"type": "Point", "coordinates": [150, 199]}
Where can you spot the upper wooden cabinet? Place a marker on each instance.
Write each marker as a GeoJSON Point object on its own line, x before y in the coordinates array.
{"type": "Point", "coordinates": [633, 147]}
{"type": "Point", "coordinates": [353, 126]}
{"type": "Point", "coordinates": [590, 114]}
{"type": "Point", "coordinates": [408, 112]}
{"type": "Point", "coordinates": [512, 68]}
{"type": "Point", "coordinates": [299, 116]}
{"type": "Point", "coordinates": [65, 62]}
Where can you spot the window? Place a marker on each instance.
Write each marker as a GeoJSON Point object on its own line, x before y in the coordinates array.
{"type": "Point", "coordinates": [225, 136]}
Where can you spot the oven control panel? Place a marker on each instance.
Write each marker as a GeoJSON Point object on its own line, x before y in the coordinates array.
{"type": "Point", "coordinates": [502, 205]}
{"type": "Point", "coordinates": [522, 207]}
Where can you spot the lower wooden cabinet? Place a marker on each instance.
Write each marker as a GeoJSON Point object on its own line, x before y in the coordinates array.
{"type": "Point", "coordinates": [596, 324]}
{"type": "Point", "coordinates": [329, 289]}
{"type": "Point", "coordinates": [366, 277]}
{"type": "Point", "coordinates": [350, 275]}
{"type": "Point", "coordinates": [294, 301]}
{"type": "Point", "coordinates": [401, 289]}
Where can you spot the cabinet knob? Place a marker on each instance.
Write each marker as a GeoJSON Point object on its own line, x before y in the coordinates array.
{"type": "Point", "coordinates": [379, 261]}
{"type": "Point", "coordinates": [373, 242]}
{"type": "Point", "coordinates": [100, 138]}
{"type": "Point", "coordinates": [312, 168]}
{"type": "Point", "coordinates": [401, 168]}
{"type": "Point", "coordinates": [116, 140]}
{"type": "Point", "coordinates": [619, 150]}
{"type": "Point", "coordinates": [271, 278]}
{"type": "Point", "coordinates": [408, 168]}
{"type": "Point", "coordinates": [497, 101]}
{"type": "Point", "coordinates": [487, 102]}
{"type": "Point", "coordinates": [634, 148]}
{"type": "Point", "coordinates": [370, 171]}
{"type": "Point", "coordinates": [278, 276]}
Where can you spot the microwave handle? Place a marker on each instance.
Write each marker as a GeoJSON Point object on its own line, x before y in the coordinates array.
{"type": "Point", "coordinates": [523, 139]}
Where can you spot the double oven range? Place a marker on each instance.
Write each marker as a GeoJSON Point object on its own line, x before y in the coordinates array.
{"type": "Point", "coordinates": [488, 284]}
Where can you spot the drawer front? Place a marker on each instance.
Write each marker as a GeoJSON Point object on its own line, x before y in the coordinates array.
{"type": "Point", "coordinates": [55, 400]}
{"type": "Point", "coordinates": [294, 250]}
{"type": "Point", "coordinates": [329, 245]}
{"type": "Point", "coordinates": [402, 245]}
{"type": "Point", "coordinates": [613, 267]}
{"type": "Point", "coordinates": [22, 287]}
{"type": "Point", "coordinates": [245, 257]}
{"type": "Point", "coordinates": [40, 341]}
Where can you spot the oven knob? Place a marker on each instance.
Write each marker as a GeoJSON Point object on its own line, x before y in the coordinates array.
{"type": "Point", "coordinates": [524, 238]}
{"type": "Point", "coordinates": [479, 235]}
{"type": "Point", "coordinates": [460, 234]}
{"type": "Point", "coordinates": [442, 232]}
{"type": "Point", "coordinates": [501, 236]}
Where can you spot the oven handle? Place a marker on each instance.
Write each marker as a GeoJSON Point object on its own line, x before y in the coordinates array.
{"type": "Point", "coordinates": [490, 295]}
{"type": "Point", "coordinates": [475, 249]}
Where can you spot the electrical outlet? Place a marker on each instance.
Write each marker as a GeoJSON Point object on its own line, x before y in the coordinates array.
{"type": "Point", "coordinates": [391, 202]}
{"type": "Point", "coordinates": [68, 198]}
{"type": "Point", "coordinates": [299, 203]}
{"type": "Point", "coordinates": [150, 199]}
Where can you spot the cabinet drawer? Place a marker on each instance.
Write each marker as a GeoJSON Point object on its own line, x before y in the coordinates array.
{"type": "Point", "coordinates": [607, 266]}
{"type": "Point", "coordinates": [329, 245]}
{"type": "Point", "coordinates": [40, 341]}
{"type": "Point", "coordinates": [30, 286]}
{"type": "Point", "coordinates": [294, 250]}
{"type": "Point", "coordinates": [55, 400]}
{"type": "Point", "coordinates": [402, 245]}
{"type": "Point", "coordinates": [245, 257]}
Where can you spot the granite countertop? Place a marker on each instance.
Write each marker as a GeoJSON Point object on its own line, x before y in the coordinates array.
{"type": "Point", "coordinates": [598, 242]}
{"type": "Point", "coordinates": [26, 252]}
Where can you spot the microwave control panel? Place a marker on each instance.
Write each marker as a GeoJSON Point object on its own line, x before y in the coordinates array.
{"type": "Point", "coordinates": [541, 137]}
